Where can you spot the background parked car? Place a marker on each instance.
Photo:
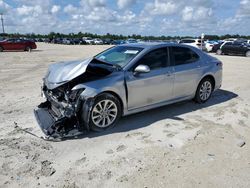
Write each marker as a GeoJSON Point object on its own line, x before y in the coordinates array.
{"type": "Point", "coordinates": [235, 48]}
{"type": "Point", "coordinates": [129, 41]}
{"type": "Point", "coordinates": [117, 42]}
{"type": "Point", "coordinates": [216, 46]}
{"type": "Point", "coordinates": [193, 42]}
{"type": "Point", "coordinates": [78, 41]}
{"type": "Point", "coordinates": [107, 41]}
{"type": "Point", "coordinates": [88, 40]}
{"type": "Point", "coordinates": [97, 41]}
{"type": "Point", "coordinates": [17, 44]}
{"type": "Point", "coordinates": [209, 45]}
{"type": "Point", "coordinates": [57, 41]}
{"type": "Point", "coordinates": [66, 41]}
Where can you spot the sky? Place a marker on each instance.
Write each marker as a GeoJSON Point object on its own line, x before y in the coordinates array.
{"type": "Point", "coordinates": [127, 17]}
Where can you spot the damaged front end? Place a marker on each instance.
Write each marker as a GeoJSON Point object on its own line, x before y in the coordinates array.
{"type": "Point", "coordinates": [67, 107]}
{"type": "Point", "coordinates": [60, 113]}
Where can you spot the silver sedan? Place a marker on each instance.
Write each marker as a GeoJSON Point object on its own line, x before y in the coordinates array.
{"type": "Point", "coordinates": [94, 93]}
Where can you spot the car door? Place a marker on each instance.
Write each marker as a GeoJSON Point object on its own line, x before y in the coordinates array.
{"type": "Point", "coordinates": [227, 47]}
{"type": "Point", "coordinates": [187, 71]}
{"type": "Point", "coordinates": [242, 49]}
{"type": "Point", "coordinates": [21, 44]}
{"type": "Point", "coordinates": [9, 44]}
{"type": "Point", "coordinates": [236, 48]}
{"type": "Point", "coordinates": [18, 44]}
{"type": "Point", "coordinates": [153, 87]}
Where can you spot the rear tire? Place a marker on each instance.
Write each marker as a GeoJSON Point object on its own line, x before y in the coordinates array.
{"type": "Point", "coordinates": [28, 49]}
{"type": "Point", "coordinates": [1, 48]}
{"type": "Point", "coordinates": [105, 113]}
{"type": "Point", "coordinates": [204, 90]}
{"type": "Point", "coordinates": [248, 53]}
{"type": "Point", "coordinates": [219, 52]}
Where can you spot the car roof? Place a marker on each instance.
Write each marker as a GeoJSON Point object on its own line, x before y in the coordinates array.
{"type": "Point", "coordinates": [190, 39]}
{"type": "Point", "coordinates": [148, 45]}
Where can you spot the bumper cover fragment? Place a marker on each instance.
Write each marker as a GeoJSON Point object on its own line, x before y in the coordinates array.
{"type": "Point", "coordinates": [46, 121]}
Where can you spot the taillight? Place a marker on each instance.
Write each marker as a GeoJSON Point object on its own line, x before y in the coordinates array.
{"type": "Point", "coordinates": [219, 64]}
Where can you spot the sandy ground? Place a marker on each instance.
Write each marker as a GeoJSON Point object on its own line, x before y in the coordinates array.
{"type": "Point", "coordinates": [181, 145]}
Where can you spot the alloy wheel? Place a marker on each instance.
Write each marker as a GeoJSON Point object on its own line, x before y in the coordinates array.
{"type": "Point", "coordinates": [104, 113]}
{"type": "Point", "coordinates": [205, 90]}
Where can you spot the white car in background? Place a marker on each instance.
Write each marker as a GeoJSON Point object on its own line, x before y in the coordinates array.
{"type": "Point", "coordinates": [209, 45]}
{"type": "Point", "coordinates": [88, 40]}
{"type": "Point", "coordinates": [98, 41]}
{"type": "Point", "coordinates": [193, 42]}
{"type": "Point", "coordinates": [230, 39]}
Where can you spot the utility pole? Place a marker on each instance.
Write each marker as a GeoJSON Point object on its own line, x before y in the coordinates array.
{"type": "Point", "coordinates": [2, 21]}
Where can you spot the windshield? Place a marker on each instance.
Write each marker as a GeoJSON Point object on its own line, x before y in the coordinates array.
{"type": "Point", "coordinates": [119, 55]}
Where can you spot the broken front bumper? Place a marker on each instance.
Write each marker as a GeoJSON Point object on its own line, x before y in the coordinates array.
{"type": "Point", "coordinates": [53, 116]}
{"type": "Point", "coordinates": [46, 121]}
{"type": "Point", "coordinates": [59, 117]}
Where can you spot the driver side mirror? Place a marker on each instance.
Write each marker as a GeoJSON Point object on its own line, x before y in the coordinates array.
{"type": "Point", "coordinates": [142, 69]}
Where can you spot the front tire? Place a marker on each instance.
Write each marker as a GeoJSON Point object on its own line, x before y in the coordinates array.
{"type": "Point", "coordinates": [1, 48]}
{"type": "Point", "coordinates": [204, 90]}
{"type": "Point", "coordinates": [28, 49]}
{"type": "Point", "coordinates": [219, 52]}
{"type": "Point", "coordinates": [105, 113]}
{"type": "Point", "coordinates": [248, 53]}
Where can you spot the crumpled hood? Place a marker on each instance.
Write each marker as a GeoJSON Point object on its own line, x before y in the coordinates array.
{"type": "Point", "coordinates": [60, 73]}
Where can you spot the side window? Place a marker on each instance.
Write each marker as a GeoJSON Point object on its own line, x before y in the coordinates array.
{"type": "Point", "coordinates": [10, 40]}
{"type": "Point", "coordinates": [228, 43]}
{"type": "Point", "coordinates": [155, 59]}
{"type": "Point", "coordinates": [182, 55]}
{"type": "Point", "coordinates": [237, 44]}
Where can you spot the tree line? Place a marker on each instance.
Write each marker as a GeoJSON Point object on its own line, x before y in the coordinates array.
{"type": "Point", "coordinates": [52, 35]}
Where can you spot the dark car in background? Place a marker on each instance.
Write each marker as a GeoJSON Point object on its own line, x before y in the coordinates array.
{"type": "Point", "coordinates": [235, 48]}
{"type": "Point", "coordinates": [17, 44]}
{"type": "Point", "coordinates": [118, 42]}
{"type": "Point", "coordinates": [216, 47]}
{"type": "Point", "coordinates": [107, 41]}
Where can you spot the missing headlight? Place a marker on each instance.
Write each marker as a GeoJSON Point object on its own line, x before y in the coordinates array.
{"type": "Point", "coordinates": [74, 94]}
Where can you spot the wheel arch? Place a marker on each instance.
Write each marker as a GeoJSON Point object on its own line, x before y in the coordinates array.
{"type": "Point", "coordinates": [247, 51]}
{"type": "Point", "coordinates": [116, 95]}
{"type": "Point", "coordinates": [211, 77]}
